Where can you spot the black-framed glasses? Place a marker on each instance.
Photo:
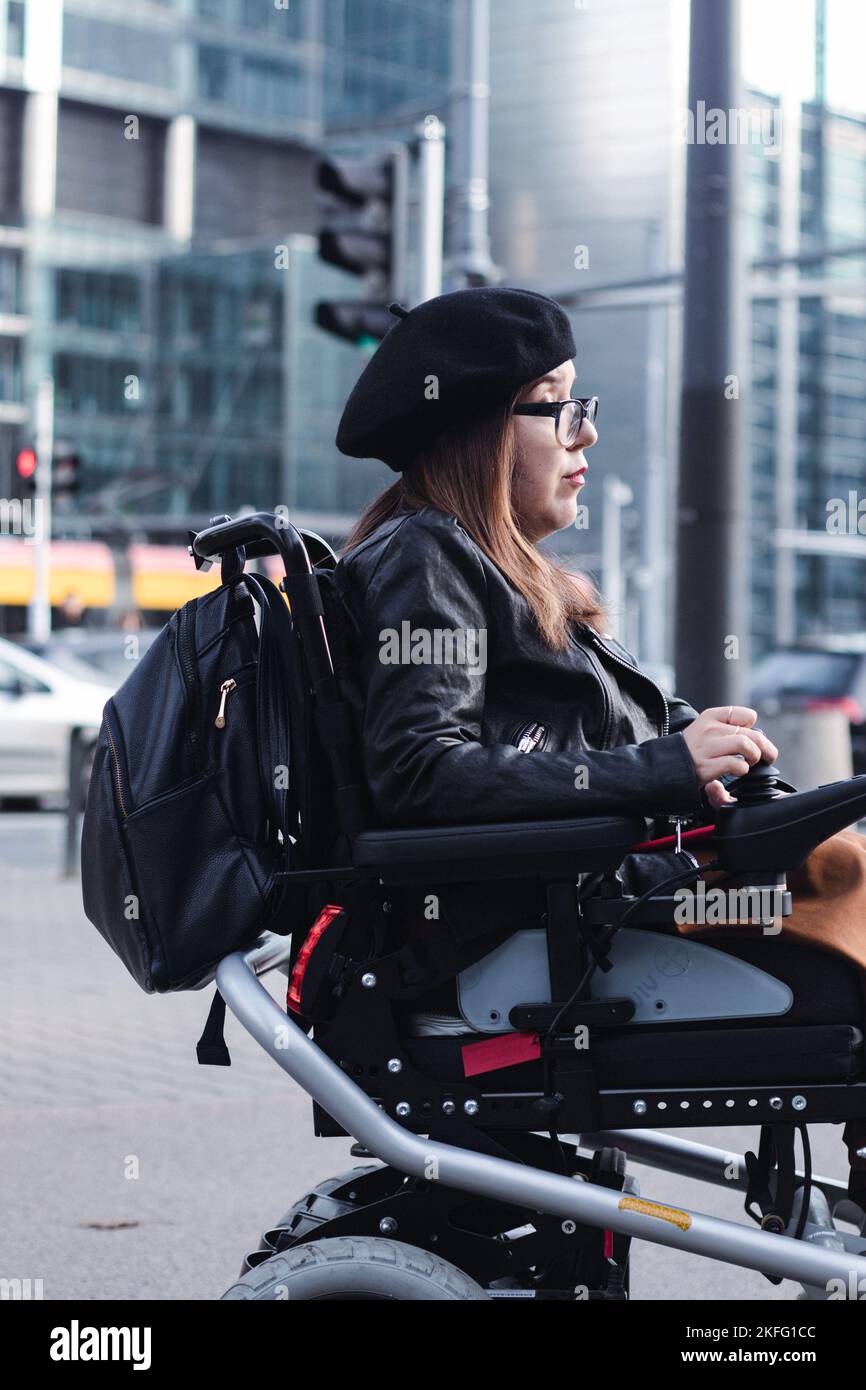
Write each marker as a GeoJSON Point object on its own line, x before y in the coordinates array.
{"type": "Point", "coordinates": [569, 416]}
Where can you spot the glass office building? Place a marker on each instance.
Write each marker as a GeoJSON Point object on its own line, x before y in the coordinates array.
{"type": "Point", "coordinates": [587, 190]}
{"type": "Point", "coordinates": [157, 256]}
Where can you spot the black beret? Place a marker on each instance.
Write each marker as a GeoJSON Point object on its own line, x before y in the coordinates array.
{"type": "Point", "coordinates": [447, 360]}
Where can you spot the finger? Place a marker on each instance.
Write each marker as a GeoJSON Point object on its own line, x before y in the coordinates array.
{"type": "Point", "coordinates": [733, 714]}
{"type": "Point", "coordinates": [768, 748]}
{"type": "Point", "coordinates": [725, 744]}
{"type": "Point", "coordinates": [733, 764]}
{"type": "Point", "coordinates": [717, 794]}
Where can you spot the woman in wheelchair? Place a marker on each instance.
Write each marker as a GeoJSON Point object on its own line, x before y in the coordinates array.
{"type": "Point", "coordinates": [488, 687]}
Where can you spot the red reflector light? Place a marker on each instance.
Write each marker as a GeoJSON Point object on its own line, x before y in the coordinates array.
{"type": "Point", "coordinates": [322, 922]}
{"type": "Point", "coordinates": [26, 463]}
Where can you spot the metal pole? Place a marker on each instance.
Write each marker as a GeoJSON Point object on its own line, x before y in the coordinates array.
{"type": "Point", "coordinates": [39, 615]}
{"type": "Point", "coordinates": [431, 210]}
{"type": "Point", "coordinates": [469, 260]}
{"type": "Point", "coordinates": [617, 495]}
{"type": "Point", "coordinates": [712, 611]}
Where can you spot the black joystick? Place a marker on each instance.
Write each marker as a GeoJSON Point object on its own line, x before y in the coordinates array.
{"type": "Point", "coordinates": [758, 784]}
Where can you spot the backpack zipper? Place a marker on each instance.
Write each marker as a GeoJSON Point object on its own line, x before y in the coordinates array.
{"type": "Point", "coordinates": [666, 720]}
{"type": "Point", "coordinates": [116, 765]}
{"type": "Point", "coordinates": [186, 652]}
{"type": "Point", "coordinates": [226, 689]}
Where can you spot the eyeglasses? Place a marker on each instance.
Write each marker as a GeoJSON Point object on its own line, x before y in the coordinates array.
{"type": "Point", "coordinates": [569, 416]}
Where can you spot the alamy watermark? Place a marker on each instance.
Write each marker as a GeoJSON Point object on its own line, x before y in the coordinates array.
{"type": "Point", "coordinates": [740, 125]}
{"type": "Point", "coordinates": [732, 906]}
{"type": "Point", "coordinates": [434, 646]}
{"type": "Point", "coordinates": [23, 517]}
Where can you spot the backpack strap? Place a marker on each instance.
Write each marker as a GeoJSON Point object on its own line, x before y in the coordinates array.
{"type": "Point", "coordinates": [280, 710]}
{"type": "Point", "coordinates": [211, 1049]}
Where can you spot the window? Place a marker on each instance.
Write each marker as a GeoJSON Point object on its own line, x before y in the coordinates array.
{"type": "Point", "coordinates": [10, 369]}
{"type": "Point", "coordinates": [283, 17]}
{"type": "Point", "coordinates": [271, 87]}
{"type": "Point", "coordinates": [100, 171]}
{"type": "Point", "coordinates": [16, 682]}
{"type": "Point", "coordinates": [118, 50]}
{"type": "Point", "coordinates": [10, 282]}
{"type": "Point", "coordinates": [93, 385]}
{"type": "Point", "coordinates": [213, 74]}
{"type": "Point", "coordinates": [95, 299]}
{"type": "Point", "coordinates": [15, 28]}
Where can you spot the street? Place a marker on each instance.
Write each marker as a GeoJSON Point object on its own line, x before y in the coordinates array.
{"type": "Point", "coordinates": [131, 1172]}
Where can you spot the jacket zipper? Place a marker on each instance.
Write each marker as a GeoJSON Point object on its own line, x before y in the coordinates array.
{"type": "Point", "coordinates": [116, 765]}
{"type": "Point", "coordinates": [529, 736]}
{"type": "Point", "coordinates": [666, 720]}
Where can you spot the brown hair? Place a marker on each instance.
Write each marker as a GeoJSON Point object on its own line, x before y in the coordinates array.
{"type": "Point", "coordinates": [467, 472]}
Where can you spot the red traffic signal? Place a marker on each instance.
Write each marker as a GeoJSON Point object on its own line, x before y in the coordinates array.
{"type": "Point", "coordinates": [25, 463]}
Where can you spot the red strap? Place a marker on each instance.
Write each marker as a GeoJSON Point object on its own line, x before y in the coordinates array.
{"type": "Point", "coordinates": [703, 832]}
{"type": "Point", "coordinates": [504, 1051]}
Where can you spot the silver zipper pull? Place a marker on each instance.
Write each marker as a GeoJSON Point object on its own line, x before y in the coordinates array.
{"type": "Point", "coordinates": [225, 689]}
{"type": "Point", "coordinates": [531, 738]}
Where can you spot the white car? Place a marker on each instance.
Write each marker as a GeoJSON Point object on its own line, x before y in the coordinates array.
{"type": "Point", "coordinates": [40, 706]}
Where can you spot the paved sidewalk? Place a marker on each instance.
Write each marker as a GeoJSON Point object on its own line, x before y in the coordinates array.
{"type": "Point", "coordinates": [99, 1081]}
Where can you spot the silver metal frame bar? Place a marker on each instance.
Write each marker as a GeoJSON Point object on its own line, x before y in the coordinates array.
{"type": "Point", "coordinates": [690, 1160]}
{"type": "Point", "coordinates": [498, 1178]}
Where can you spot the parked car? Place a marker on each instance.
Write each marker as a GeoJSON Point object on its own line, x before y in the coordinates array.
{"type": "Point", "coordinates": [105, 656]}
{"type": "Point", "coordinates": [826, 672]}
{"type": "Point", "coordinates": [40, 706]}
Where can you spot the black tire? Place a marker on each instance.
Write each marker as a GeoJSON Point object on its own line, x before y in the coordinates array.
{"type": "Point", "coordinates": [355, 1267]}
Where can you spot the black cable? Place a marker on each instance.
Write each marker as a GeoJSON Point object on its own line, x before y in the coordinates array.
{"type": "Point", "coordinates": [693, 871]}
{"type": "Point", "coordinates": [807, 1181]}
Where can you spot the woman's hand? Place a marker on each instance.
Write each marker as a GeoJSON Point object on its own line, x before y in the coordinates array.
{"type": "Point", "coordinates": [719, 745]}
{"type": "Point", "coordinates": [718, 794]}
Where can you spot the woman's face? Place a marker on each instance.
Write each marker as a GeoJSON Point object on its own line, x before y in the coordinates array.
{"type": "Point", "coordinates": [548, 477]}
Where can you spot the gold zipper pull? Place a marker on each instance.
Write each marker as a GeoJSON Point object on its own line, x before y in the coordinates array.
{"type": "Point", "coordinates": [225, 690]}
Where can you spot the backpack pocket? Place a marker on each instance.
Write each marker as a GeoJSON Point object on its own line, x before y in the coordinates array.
{"type": "Point", "coordinates": [109, 893]}
{"type": "Point", "coordinates": [208, 890]}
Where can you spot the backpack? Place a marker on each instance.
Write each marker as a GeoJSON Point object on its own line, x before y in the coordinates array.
{"type": "Point", "coordinates": [197, 788]}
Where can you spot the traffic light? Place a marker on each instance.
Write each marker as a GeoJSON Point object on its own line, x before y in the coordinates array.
{"type": "Point", "coordinates": [65, 472]}
{"type": "Point", "coordinates": [25, 466]}
{"type": "Point", "coordinates": [363, 232]}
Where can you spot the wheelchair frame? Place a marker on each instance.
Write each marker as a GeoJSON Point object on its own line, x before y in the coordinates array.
{"type": "Point", "coordinates": [401, 1122]}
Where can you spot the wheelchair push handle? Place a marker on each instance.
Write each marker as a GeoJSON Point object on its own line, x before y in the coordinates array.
{"type": "Point", "coordinates": [262, 533]}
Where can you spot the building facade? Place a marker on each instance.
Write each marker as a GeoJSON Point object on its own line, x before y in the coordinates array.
{"type": "Point", "coordinates": [157, 220]}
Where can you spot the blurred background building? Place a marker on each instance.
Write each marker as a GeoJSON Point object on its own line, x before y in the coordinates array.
{"type": "Point", "coordinates": [158, 258]}
{"type": "Point", "coordinates": [157, 248]}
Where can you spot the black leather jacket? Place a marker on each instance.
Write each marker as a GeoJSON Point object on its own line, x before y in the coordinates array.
{"type": "Point", "coordinates": [441, 736]}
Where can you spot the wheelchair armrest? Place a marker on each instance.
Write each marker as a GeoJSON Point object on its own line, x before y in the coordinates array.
{"type": "Point", "coordinates": [552, 849]}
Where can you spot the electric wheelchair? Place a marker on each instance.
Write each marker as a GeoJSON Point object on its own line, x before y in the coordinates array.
{"type": "Point", "coordinates": [493, 1137]}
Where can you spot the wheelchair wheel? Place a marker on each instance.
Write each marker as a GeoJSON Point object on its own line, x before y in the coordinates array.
{"type": "Point", "coordinates": [347, 1268]}
{"type": "Point", "coordinates": [331, 1197]}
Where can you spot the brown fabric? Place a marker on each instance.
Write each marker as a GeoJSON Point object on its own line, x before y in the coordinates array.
{"type": "Point", "coordinates": [828, 901]}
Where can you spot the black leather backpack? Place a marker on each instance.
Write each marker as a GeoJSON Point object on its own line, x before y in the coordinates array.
{"type": "Point", "coordinates": [195, 795]}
